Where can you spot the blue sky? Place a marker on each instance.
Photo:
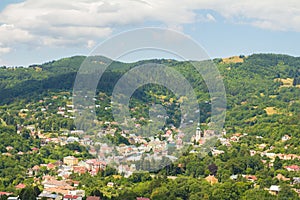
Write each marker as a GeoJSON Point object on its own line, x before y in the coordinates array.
{"type": "Point", "coordinates": [36, 31]}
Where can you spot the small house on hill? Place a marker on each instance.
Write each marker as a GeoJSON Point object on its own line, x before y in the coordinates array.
{"type": "Point", "coordinates": [274, 189]}
{"type": "Point", "coordinates": [211, 179]}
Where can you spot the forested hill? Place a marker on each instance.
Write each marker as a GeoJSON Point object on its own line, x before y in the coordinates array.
{"type": "Point", "coordinates": [262, 89]}
{"type": "Point", "coordinates": [60, 74]}
{"type": "Point", "coordinates": [263, 112]}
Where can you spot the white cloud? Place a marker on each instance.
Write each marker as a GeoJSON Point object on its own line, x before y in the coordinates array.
{"type": "Point", "coordinates": [210, 18]}
{"type": "Point", "coordinates": [11, 34]}
{"type": "Point", "coordinates": [4, 50]}
{"type": "Point", "coordinates": [90, 44]}
{"type": "Point", "coordinates": [206, 18]}
{"type": "Point", "coordinates": [65, 23]}
{"type": "Point", "coordinates": [280, 15]}
{"type": "Point", "coordinates": [82, 22]}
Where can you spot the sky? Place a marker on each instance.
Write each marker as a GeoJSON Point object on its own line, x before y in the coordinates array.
{"type": "Point", "coordinates": [37, 31]}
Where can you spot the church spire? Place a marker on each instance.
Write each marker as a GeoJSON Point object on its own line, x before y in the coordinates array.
{"type": "Point", "coordinates": [198, 133]}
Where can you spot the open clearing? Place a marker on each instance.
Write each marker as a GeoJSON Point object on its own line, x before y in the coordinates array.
{"type": "Point", "coordinates": [233, 59]}
{"type": "Point", "coordinates": [271, 110]}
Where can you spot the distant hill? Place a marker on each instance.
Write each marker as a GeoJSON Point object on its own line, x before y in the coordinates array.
{"type": "Point", "coordinates": [262, 89]}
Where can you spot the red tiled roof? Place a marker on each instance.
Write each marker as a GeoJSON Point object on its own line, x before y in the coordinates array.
{"type": "Point", "coordinates": [36, 167]}
{"type": "Point", "coordinates": [5, 193]}
{"type": "Point", "coordinates": [93, 198]}
{"type": "Point", "coordinates": [20, 186]}
{"type": "Point", "coordinates": [294, 167]}
{"type": "Point", "coordinates": [50, 166]}
{"type": "Point", "coordinates": [71, 196]}
{"type": "Point", "coordinates": [79, 169]}
{"type": "Point", "coordinates": [251, 177]}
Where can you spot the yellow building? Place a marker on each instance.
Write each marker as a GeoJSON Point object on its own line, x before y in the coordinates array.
{"type": "Point", "coordinates": [70, 161]}
{"type": "Point", "coordinates": [211, 179]}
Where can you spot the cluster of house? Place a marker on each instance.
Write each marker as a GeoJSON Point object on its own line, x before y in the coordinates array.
{"type": "Point", "coordinates": [62, 184]}
{"type": "Point", "coordinates": [55, 197]}
{"type": "Point", "coordinates": [65, 187]}
{"type": "Point", "coordinates": [139, 148]}
{"type": "Point", "coordinates": [44, 104]}
{"type": "Point", "coordinates": [126, 154]}
{"type": "Point", "coordinates": [56, 190]}
{"type": "Point", "coordinates": [67, 111]}
{"type": "Point", "coordinates": [281, 156]}
{"type": "Point", "coordinates": [10, 149]}
{"type": "Point", "coordinates": [272, 156]}
{"type": "Point", "coordinates": [234, 138]}
{"type": "Point", "coordinates": [274, 189]}
{"type": "Point", "coordinates": [61, 187]}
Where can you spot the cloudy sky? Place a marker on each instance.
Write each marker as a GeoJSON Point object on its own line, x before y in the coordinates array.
{"type": "Point", "coordinates": [35, 31]}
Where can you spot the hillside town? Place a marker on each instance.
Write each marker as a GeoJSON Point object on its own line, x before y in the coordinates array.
{"type": "Point", "coordinates": [55, 176]}
{"type": "Point", "coordinates": [44, 154]}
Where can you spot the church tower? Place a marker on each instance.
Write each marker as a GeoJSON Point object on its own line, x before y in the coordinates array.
{"type": "Point", "coordinates": [199, 133]}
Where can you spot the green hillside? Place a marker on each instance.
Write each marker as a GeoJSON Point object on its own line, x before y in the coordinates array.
{"type": "Point", "coordinates": [262, 89]}
{"type": "Point", "coordinates": [263, 105]}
